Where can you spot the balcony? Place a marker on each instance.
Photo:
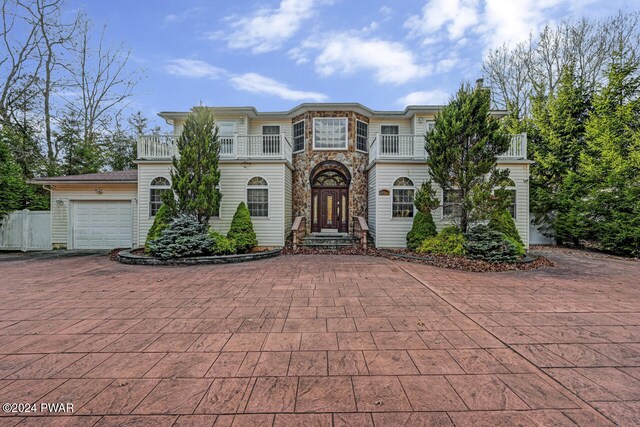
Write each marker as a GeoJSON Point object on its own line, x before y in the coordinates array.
{"type": "Point", "coordinates": [411, 147]}
{"type": "Point", "coordinates": [244, 147]}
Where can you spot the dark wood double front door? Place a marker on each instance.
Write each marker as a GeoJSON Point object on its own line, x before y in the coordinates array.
{"type": "Point", "coordinates": [330, 209]}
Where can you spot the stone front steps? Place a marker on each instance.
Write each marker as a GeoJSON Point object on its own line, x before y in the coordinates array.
{"type": "Point", "coordinates": [329, 241]}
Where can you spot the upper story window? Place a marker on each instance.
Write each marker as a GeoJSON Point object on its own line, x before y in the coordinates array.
{"type": "Point", "coordinates": [402, 198]}
{"type": "Point", "coordinates": [451, 202]}
{"type": "Point", "coordinates": [298, 136]}
{"type": "Point", "coordinates": [258, 197]}
{"type": "Point", "coordinates": [226, 129]}
{"type": "Point", "coordinates": [362, 135]}
{"type": "Point", "coordinates": [270, 139]}
{"type": "Point", "coordinates": [158, 186]}
{"type": "Point", "coordinates": [330, 133]}
{"type": "Point", "coordinates": [389, 139]}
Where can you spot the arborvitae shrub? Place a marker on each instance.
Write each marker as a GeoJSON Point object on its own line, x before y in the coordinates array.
{"type": "Point", "coordinates": [160, 222]}
{"type": "Point", "coordinates": [502, 221]}
{"type": "Point", "coordinates": [241, 230]}
{"type": "Point", "coordinates": [423, 228]}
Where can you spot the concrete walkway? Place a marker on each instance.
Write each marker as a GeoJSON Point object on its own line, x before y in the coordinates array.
{"type": "Point", "coordinates": [320, 340]}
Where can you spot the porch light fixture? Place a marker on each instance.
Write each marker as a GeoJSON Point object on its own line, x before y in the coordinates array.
{"type": "Point", "coordinates": [99, 190]}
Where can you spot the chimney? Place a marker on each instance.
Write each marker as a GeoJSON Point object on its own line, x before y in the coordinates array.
{"type": "Point", "coordinates": [480, 83]}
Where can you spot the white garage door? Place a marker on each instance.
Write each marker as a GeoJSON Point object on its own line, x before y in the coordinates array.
{"type": "Point", "coordinates": [102, 224]}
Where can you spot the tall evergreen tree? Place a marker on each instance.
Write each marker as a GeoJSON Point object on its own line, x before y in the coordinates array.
{"type": "Point", "coordinates": [80, 156]}
{"type": "Point", "coordinates": [610, 165]}
{"type": "Point", "coordinates": [559, 138]}
{"type": "Point", "coordinates": [463, 148]}
{"type": "Point", "coordinates": [195, 175]}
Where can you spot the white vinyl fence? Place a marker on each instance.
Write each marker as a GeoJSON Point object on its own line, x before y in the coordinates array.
{"type": "Point", "coordinates": [26, 231]}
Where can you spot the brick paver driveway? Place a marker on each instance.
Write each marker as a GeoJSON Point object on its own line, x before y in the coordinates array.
{"type": "Point", "coordinates": [320, 340]}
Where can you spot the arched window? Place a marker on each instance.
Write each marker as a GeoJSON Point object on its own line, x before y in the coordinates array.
{"type": "Point", "coordinates": [511, 194]}
{"type": "Point", "coordinates": [402, 198]}
{"type": "Point", "coordinates": [158, 186]}
{"type": "Point", "coordinates": [258, 197]}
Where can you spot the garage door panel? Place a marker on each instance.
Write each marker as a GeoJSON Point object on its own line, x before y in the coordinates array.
{"type": "Point", "coordinates": [102, 224]}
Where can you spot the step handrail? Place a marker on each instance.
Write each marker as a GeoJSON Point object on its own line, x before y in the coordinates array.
{"type": "Point", "coordinates": [360, 229]}
{"type": "Point", "coordinates": [299, 227]}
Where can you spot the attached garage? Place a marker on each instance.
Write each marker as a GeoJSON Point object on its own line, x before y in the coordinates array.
{"type": "Point", "coordinates": [93, 211]}
{"type": "Point", "coordinates": [100, 224]}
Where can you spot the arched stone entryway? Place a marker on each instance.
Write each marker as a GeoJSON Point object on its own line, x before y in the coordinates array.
{"type": "Point", "coordinates": [330, 197]}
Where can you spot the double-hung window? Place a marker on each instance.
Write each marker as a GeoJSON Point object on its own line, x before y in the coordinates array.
{"type": "Point", "coordinates": [258, 197]}
{"type": "Point", "coordinates": [298, 136]}
{"type": "Point", "coordinates": [402, 198]}
{"type": "Point", "coordinates": [330, 133]}
{"type": "Point", "coordinates": [362, 135]}
{"type": "Point", "coordinates": [510, 194]}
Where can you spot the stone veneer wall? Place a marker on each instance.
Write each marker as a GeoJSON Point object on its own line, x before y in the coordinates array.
{"type": "Point", "coordinates": [305, 161]}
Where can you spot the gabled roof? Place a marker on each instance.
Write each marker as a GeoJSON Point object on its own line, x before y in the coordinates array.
{"type": "Point", "coordinates": [129, 176]}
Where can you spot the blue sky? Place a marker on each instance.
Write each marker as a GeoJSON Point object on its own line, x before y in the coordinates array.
{"type": "Point", "coordinates": [276, 54]}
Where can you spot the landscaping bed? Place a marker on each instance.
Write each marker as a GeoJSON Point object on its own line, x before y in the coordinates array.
{"type": "Point", "coordinates": [529, 262]}
{"type": "Point", "coordinates": [137, 257]}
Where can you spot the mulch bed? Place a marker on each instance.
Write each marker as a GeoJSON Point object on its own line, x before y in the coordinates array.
{"type": "Point", "coordinates": [451, 262]}
{"type": "Point", "coordinates": [590, 252]}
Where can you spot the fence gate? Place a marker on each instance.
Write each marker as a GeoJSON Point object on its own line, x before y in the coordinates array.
{"type": "Point", "coordinates": [26, 231]}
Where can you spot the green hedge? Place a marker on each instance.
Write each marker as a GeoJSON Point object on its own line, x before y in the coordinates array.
{"type": "Point", "coordinates": [241, 230]}
{"type": "Point", "coordinates": [423, 228]}
{"type": "Point", "coordinates": [219, 244]}
{"type": "Point", "coordinates": [450, 241]}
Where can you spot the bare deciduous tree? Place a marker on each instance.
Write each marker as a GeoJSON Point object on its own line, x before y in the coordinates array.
{"type": "Point", "coordinates": [102, 79]}
{"type": "Point", "coordinates": [534, 67]}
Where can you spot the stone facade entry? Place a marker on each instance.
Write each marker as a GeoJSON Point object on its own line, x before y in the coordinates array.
{"type": "Point", "coordinates": [330, 197]}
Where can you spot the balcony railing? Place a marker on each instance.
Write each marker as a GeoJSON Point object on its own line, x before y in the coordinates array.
{"type": "Point", "coordinates": [163, 147]}
{"type": "Point", "coordinates": [411, 147]}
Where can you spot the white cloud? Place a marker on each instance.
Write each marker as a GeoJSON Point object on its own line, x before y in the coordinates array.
{"type": "Point", "coordinates": [268, 28]}
{"type": "Point", "coordinates": [256, 83]}
{"type": "Point", "coordinates": [453, 16]}
{"type": "Point", "coordinates": [174, 18]}
{"type": "Point", "coordinates": [425, 97]}
{"type": "Point", "coordinates": [194, 68]}
{"type": "Point", "coordinates": [494, 22]}
{"type": "Point", "coordinates": [346, 53]}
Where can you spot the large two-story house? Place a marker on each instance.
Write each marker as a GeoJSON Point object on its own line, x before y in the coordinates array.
{"type": "Point", "coordinates": [327, 162]}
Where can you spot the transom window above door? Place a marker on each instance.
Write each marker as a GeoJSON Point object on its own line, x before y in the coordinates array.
{"type": "Point", "coordinates": [330, 133]}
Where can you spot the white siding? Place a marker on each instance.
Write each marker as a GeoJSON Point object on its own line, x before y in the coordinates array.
{"type": "Point", "coordinates": [420, 124]}
{"type": "Point", "coordinates": [404, 126]}
{"type": "Point", "coordinates": [288, 200]}
{"type": "Point", "coordinates": [62, 195]}
{"type": "Point", "coordinates": [241, 124]}
{"type": "Point", "coordinates": [519, 173]}
{"type": "Point", "coordinates": [372, 205]}
{"type": "Point", "coordinates": [392, 232]}
{"type": "Point", "coordinates": [233, 185]}
{"type": "Point", "coordinates": [255, 126]}
{"type": "Point", "coordinates": [146, 173]}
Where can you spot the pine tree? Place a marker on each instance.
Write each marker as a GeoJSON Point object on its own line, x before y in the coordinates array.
{"type": "Point", "coordinates": [610, 165]}
{"type": "Point", "coordinates": [14, 191]}
{"type": "Point", "coordinates": [463, 147]}
{"type": "Point", "coordinates": [195, 175]}
{"type": "Point", "coordinates": [80, 156]}
{"type": "Point", "coordinates": [559, 139]}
